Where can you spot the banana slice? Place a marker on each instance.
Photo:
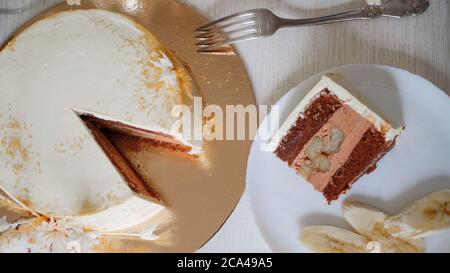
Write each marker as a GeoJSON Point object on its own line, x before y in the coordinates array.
{"type": "Point", "coordinates": [369, 221]}
{"type": "Point", "coordinates": [327, 239]}
{"type": "Point", "coordinates": [362, 217]}
{"type": "Point", "coordinates": [425, 217]}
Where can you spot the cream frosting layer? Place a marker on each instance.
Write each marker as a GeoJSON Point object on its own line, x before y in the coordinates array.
{"type": "Point", "coordinates": [87, 59]}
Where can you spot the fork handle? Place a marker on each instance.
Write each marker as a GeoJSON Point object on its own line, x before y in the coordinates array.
{"type": "Point", "coordinates": [369, 12]}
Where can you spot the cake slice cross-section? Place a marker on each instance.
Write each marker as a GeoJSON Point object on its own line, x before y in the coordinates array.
{"type": "Point", "coordinates": [332, 139]}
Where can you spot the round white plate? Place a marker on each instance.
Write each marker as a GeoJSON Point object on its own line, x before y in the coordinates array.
{"type": "Point", "coordinates": [283, 202]}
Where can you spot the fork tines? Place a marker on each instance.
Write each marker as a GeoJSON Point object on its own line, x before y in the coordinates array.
{"type": "Point", "coordinates": [231, 29]}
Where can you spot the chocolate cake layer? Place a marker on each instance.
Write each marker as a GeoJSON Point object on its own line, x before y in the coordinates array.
{"type": "Point", "coordinates": [156, 138]}
{"type": "Point", "coordinates": [133, 179]}
{"type": "Point", "coordinates": [364, 156]}
{"type": "Point", "coordinates": [306, 126]}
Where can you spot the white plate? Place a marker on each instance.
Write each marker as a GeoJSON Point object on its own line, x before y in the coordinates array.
{"type": "Point", "coordinates": [283, 202]}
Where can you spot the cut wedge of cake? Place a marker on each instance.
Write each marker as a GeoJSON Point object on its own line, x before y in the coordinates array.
{"type": "Point", "coordinates": [63, 79]}
{"type": "Point", "coordinates": [332, 139]}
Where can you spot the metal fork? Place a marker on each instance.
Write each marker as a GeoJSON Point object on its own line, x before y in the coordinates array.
{"type": "Point", "coordinates": [257, 23]}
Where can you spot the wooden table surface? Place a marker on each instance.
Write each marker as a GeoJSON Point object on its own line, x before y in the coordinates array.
{"type": "Point", "coordinates": [420, 45]}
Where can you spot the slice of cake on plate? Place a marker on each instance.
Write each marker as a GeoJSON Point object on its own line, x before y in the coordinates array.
{"type": "Point", "coordinates": [332, 139]}
{"type": "Point", "coordinates": [63, 79]}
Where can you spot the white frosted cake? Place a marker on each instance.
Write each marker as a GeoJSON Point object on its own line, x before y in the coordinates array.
{"type": "Point", "coordinates": [61, 80]}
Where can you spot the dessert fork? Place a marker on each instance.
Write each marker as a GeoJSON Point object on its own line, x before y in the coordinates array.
{"type": "Point", "coordinates": [257, 23]}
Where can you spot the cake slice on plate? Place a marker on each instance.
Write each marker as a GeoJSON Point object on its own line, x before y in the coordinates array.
{"type": "Point", "coordinates": [332, 139]}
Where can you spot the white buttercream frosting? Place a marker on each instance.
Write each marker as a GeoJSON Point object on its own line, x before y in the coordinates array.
{"type": "Point", "coordinates": [86, 59]}
{"type": "Point", "coordinates": [347, 98]}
